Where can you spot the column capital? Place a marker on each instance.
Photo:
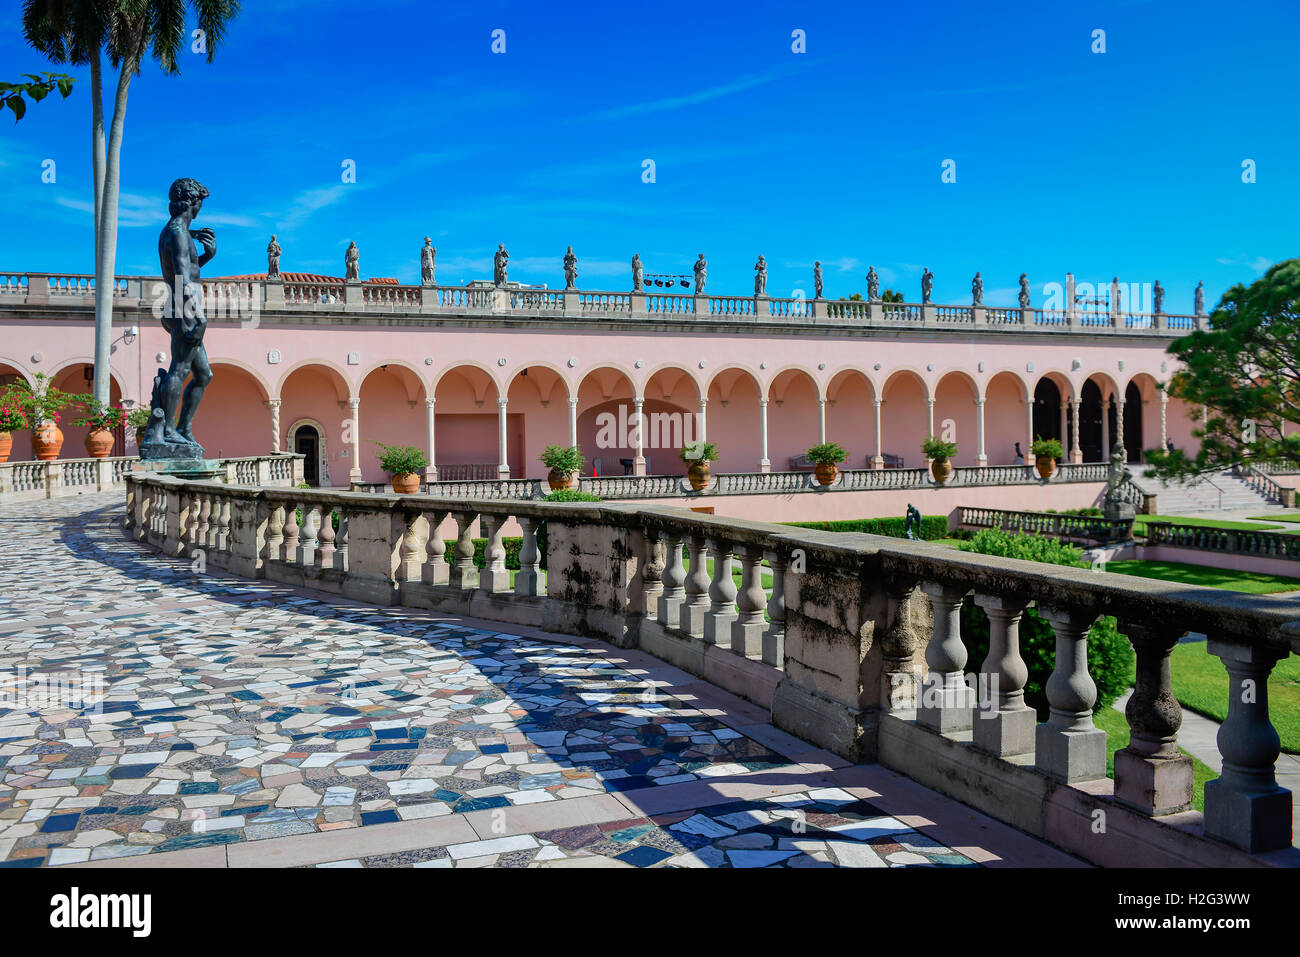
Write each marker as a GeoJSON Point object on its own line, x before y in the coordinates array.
{"type": "Point", "coordinates": [501, 402]}
{"type": "Point", "coordinates": [273, 403]}
{"type": "Point", "coordinates": [979, 401]}
{"type": "Point", "coordinates": [573, 400]}
{"type": "Point", "coordinates": [429, 403]}
{"type": "Point", "coordinates": [763, 402]}
{"type": "Point", "coordinates": [354, 402]}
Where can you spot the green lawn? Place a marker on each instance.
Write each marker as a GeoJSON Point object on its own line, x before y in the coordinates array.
{"type": "Point", "coordinates": [1139, 523]}
{"type": "Point", "coordinates": [1116, 727]}
{"type": "Point", "coordinates": [1256, 583]}
{"type": "Point", "coordinates": [1201, 684]}
{"type": "Point", "coordinates": [1278, 517]}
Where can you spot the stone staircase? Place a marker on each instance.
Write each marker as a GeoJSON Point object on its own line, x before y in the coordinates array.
{"type": "Point", "coordinates": [1222, 491]}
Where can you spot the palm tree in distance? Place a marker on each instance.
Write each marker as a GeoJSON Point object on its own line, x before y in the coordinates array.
{"type": "Point", "coordinates": [82, 33]}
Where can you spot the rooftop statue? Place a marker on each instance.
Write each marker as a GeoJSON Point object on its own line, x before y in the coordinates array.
{"type": "Point", "coordinates": [760, 277]}
{"type": "Point", "coordinates": [701, 274]}
{"type": "Point", "coordinates": [1114, 297]}
{"type": "Point", "coordinates": [1158, 298]}
{"type": "Point", "coordinates": [873, 284]}
{"type": "Point", "coordinates": [499, 263]}
{"type": "Point", "coordinates": [817, 280]}
{"type": "Point", "coordinates": [1200, 299]}
{"type": "Point", "coordinates": [183, 318]}
{"type": "Point", "coordinates": [428, 256]}
{"type": "Point", "coordinates": [977, 290]}
{"type": "Point", "coordinates": [1024, 290]}
{"type": "Point", "coordinates": [570, 269]}
{"type": "Point", "coordinates": [927, 285]}
{"type": "Point", "coordinates": [637, 274]}
{"type": "Point", "coordinates": [352, 263]}
{"type": "Point", "coordinates": [273, 259]}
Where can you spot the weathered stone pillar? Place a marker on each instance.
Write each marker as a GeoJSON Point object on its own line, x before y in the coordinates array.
{"type": "Point", "coordinates": [879, 461]}
{"type": "Point", "coordinates": [1119, 422]}
{"type": "Point", "coordinates": [774, 636]}
{"type": "Point", "coordinates": [638, 462]}
{"type": "Point", "coordinates": [1076, 453]}
{"type": "Point", "coordinates": [528, 578]}
{"type": "Point", "coordinates": [1164, 405]}
{"type": "Point", "coordinates": [748, 628]}
{"type": "Point", "coordinates": [1151, 775]}
{"type": "Point", "coordinates": [696, 602]}
{"type": "Point", "coordinates": [1105, 428]}
{"type": "Point", "coordinates": [573, 421]}
{"type": "Point", "coordinates": [821, 419]}
{"type": "Point", "coordinates": [1007, 727]}
{"type": "Point", "coordinates": [1029, 429]}
{"type": "Point", "coordinates": [503, 464]}
{"type": "Point", "coordinates": [946, 700]}
{"type": "Point", "coordinates": [495, 577]}
{"type": "Point", "coordinates": [981, 459]}
{"type": "Point", "coordinates": [702, 421]}
{"type": "Point", "coordinates": [1245, 807]}
{"type": "Point", "coordinates": [1069, 748]}
{"type": "Point", "coordinates": [430, 471]}
{"type": "Point", "coordinates": [464, 573]}
{"type": "Point", "coordinates": [435, 570]}
{"type": "Point", "coordinates": [412, 550]}
{"type": "Point", "coordinates": [652, 584]}
{"type": "Point", "coordinates": [910, 625]}
{"type": "Point", "coordinates": [764, 463]}
{"type": "Point", "coordinates": [274, 406]}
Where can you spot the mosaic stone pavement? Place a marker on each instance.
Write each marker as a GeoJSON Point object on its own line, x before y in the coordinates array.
{"type": "Point", "coordinates": [237, 711]}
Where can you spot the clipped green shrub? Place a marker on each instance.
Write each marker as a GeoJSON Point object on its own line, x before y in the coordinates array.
{"type": "Point", "coordinates": [932, 526]}
{"type": "Point", "coordinates": [1110, 656]}
{"type": "Point", "coordinates": [480, 552]}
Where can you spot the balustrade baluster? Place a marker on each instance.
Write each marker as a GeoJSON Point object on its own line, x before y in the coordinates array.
{"type": "Point", "coordinates": [722, 594]}
{"type": "Point", "coordinates": [326, 535]}
{"type": "Point", "coordinates": [900, 679]}
{"type": "Point", "coordinates": [696, 601]}
{"type": "Point", "coordinates": [275, 534]}
{"type": "Point", "coordinates": [748, 628]}
{"type": "Point", "coordinates": [1151, 775]}
{"type": "Point", "coordinates": [221, 538]}
{"type": "Point", "coordinates": [528, 579]}
{"type": "Point", "coordinates": [495, 577]}
{"type": "Point", "coordinates": [652, 583]}
{"type": "Point", "coordinates": [1245, 806]}
{"type": "Point", "coordinates": [464, 573]}
{"type": "Point", "coordinates": [291, 532]}
{"type": "Point", "coordinates": [774, 637]}
{"type": "Point", "coordinates": [341, 541]}
{"type": "Point", "coordinates": [1005, 724]}
{"type": "Point", "coordinates": [435, 571]}
{"type": "Point", "coordinates": [307, 538]}
{"type": "Point", "coordinates": [1069, 747]}
{"type": "Point", "coordinates": [674, 593]}
{"type": "Point", "coordinates": [947, 701]}
{"type": "Point", "coordinates": [411, 549]}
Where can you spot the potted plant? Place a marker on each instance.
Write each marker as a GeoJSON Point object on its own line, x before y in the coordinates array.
{"type": "Point", "coordinates": [11, 420]}
{"type": "Point", "coordinates": [1046, 452]}
{"type": "Point", "coordinates": [564, 465]}
{"type": "Point", "coordinates": [138, 419]}
{"type": "Point", "coordinates": [402, 462]}
{"type": "Point", "coordinates": [824, 457]}
{"type": "Point", "coordinates": [940, 454]}
{"type": "Point", "coordinates": [41, 407]}
{"type": "Point", "coordinates": [102, 420]}
{"type": "Point", "coordinates": [697, 456]}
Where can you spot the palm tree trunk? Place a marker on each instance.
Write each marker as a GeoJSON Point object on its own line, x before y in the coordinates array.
{"type": "Point", "coordinates": [108, 235]}
{"type": "Point", "coordinates": [97, 142]}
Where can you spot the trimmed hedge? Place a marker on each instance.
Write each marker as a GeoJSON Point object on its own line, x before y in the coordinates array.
{"type": "Point", "coordinates": [480, 552]}
{"type": "Point", "coordinates": [932, 526]}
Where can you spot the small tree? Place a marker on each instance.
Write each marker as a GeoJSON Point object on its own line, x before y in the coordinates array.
{"type": "Point", "coordinates": [938, 449]}
{"type": "Point", "coordinates": [1244, 370]}
{"type": "Point", "coordinates": [827, 453]}
{"type": "Point", "coordinates": [567, 460]}
{"type": "Point", "coordinates": [401, 459]}
{"type": "Point", "coordinates": [1047, 449]}
{"type": "Point", "coordinates": [702, 452]}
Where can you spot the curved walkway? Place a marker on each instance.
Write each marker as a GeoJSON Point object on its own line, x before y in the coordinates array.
{"type": "Point", "coordinates": [245, 723]}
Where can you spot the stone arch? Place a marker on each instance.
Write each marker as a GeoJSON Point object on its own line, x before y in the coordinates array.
{"type": "Point", "coordinates": [606, 414]}
{"type": "Point", "coordinates": [793, 415]}
{"type": "Point", "coordinates": [671, 409]}
{"type": "Point", "coordinates": [733, 419]}
{"type": "Point", "coordinates": [338, 377]}
{"type": "Point", "coordinates": [317, 472]}
{"type": "Point", "coordinates": [442, 373]}
{"type": "Point", "coordinates": [322, 392]}
{"type": "Point", "coordinates": [956, 414]}
{"type": "Point", "coordinates": [391, 412]}
{"type": "Point", "coordinates": [1008, 405]}
{"type": "Point", "coordinates": [467, 443]}
{"type": "Point", "coordinates": [234, 419]}
{"type": "Point", "coordinates": [851, 415]}
{"type": "Point", "coordinates": [66, 377]}
{"type": "Point", "coordinates": [540, 393]}
{"type": "Point", "coordinates": [687, 373]}
{"type": "Point", "coordinates": [904, 416]}
{"type": "Point", "coordinates": [414, 383]}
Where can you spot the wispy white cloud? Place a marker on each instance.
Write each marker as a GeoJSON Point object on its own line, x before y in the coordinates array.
{"type": "Point", "coordinates": [1257, 264]}
{"type": "Point", "coordinates": [738, 85]}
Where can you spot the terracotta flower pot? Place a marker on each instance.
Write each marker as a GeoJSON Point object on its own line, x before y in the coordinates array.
{"type": "Point", "coordinates": [941, 469]}
{"type": "Point", "coordinates": [406, 483]}
{"type": "Point", "coordinates": [6, 445]}
{"type": "Point", "coordinates": [827, 473]}
{"type": "Point", "coordinates": [99, 442]}
{"type": "Point", "coordinates": [559, 480]}
{"type": "Point", "coordinates": [699, 475]}
{"type": "Point", "coordinates": [139, 436]}
{"type": "Point", "coordinates": [47, 440]}
{"type": "Point", "coordinates": [1045, 466]}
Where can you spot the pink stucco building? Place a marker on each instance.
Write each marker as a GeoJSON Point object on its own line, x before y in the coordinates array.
{"type": "Point", "coordinates": [485, 378]}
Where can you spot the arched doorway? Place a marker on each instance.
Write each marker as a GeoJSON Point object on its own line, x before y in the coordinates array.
{"type": "Point", "coordinates": [1047, 413]}
{"type": "Point", "coordinates": [1133, 436]}
{"type": "Point", "coordinates": [307, 443]}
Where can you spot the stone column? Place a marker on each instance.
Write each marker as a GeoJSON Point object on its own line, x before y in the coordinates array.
{"type": "Point", "coordinates": [573, 420]}
{"type": "Point", "coordinates": [722, 594]}
{"type": "Point", "coordinates": [1151, 775]}
{"type": "Point", "coordinates": [528, 578]}
{"type": "Point", "coordinates": [947, 702]}
{"type": "Point", "coordinates": [652, 576]}
{"type": "Point", "coordinates": [354, 473]}
{"type": "Point", "coordinates": [702, 421]}
{"type": "Point", "coordinates": [930, 413]}
{"type": "Point", "coordinates": [774, 637]}
{"type": "Point", "coordinates": [900, 678]}
{"type": "Point", "coordinates": [494, 577]}
{"type": "Point", "coordinates": [748, 629]}
{"type": "Point", "coordinates": [1004, 726]}
{"type": "Point", "coordinates": [1029, 431]}
{"type": "Point", "coordinates": [274, 406]}
{"type": "Point", "coordinates": [1065, 432]}
{"type": "Point", "coordinates": [431, 471]}
{"type": "Point", "coordinates": [638, 463]}
{"type": "Point", "coordinates": [821, 419]}
{"type": "Point", "coordinates": [435, 570]}
{"type": "Point", "coordinates": [1076, 453]}
{"type": "Point", "coordinates": [1245, 807]}
{"type": "Point", "coordinates": [463, 573]}
{"type": "Point", "coordinates": [1068, 747]}
{"type": "Point", "coordinates": [503, 465]}
{"type": "Point", "coordinates": [1105, 428]}
{"type": "Point", "coordinates": [764, 463]}
{"type": "Point", "coordinates": [1164, 407]}
{"type": "Point", "coordinates": [1119, 424]}
{"type": "Point", "coordinates": [879, 461]}
{"type": "Point", "coordinates": [982, 460]}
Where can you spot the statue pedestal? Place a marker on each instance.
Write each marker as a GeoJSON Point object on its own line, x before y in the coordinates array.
{"type": "Point", "coordinates": [193, 469]}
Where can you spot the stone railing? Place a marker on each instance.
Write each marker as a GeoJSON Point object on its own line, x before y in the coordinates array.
{"type": "Point", "coordinates": [58, 477]}
{"type": "Point", "coordinates": [1260, 481]}
{"type": "Point", "coordinates": [616, 487]}
{"type": "Point", "coordinates": [240, 296]}
{"type": "Point", "coordinates": [852, 642]}
{"type": "Point", "coordinates": [1265, 544]}
{"type": "Point", "coordinates": [1074, 528]}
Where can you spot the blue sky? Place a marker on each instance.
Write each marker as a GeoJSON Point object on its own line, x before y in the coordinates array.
{"type": "Point", "coordinates": [1127, 162]}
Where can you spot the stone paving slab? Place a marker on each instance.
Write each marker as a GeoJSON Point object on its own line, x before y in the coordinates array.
{"type": "Point", "coordinates": [246, 723]}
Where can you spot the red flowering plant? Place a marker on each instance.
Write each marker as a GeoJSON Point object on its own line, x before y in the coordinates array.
{"type": "Point", "coordinates": [11, 416]}
{"type": "Point", "coordinates": [97, 415]}
{"type": "Point", "coordinates": [44, 403]}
